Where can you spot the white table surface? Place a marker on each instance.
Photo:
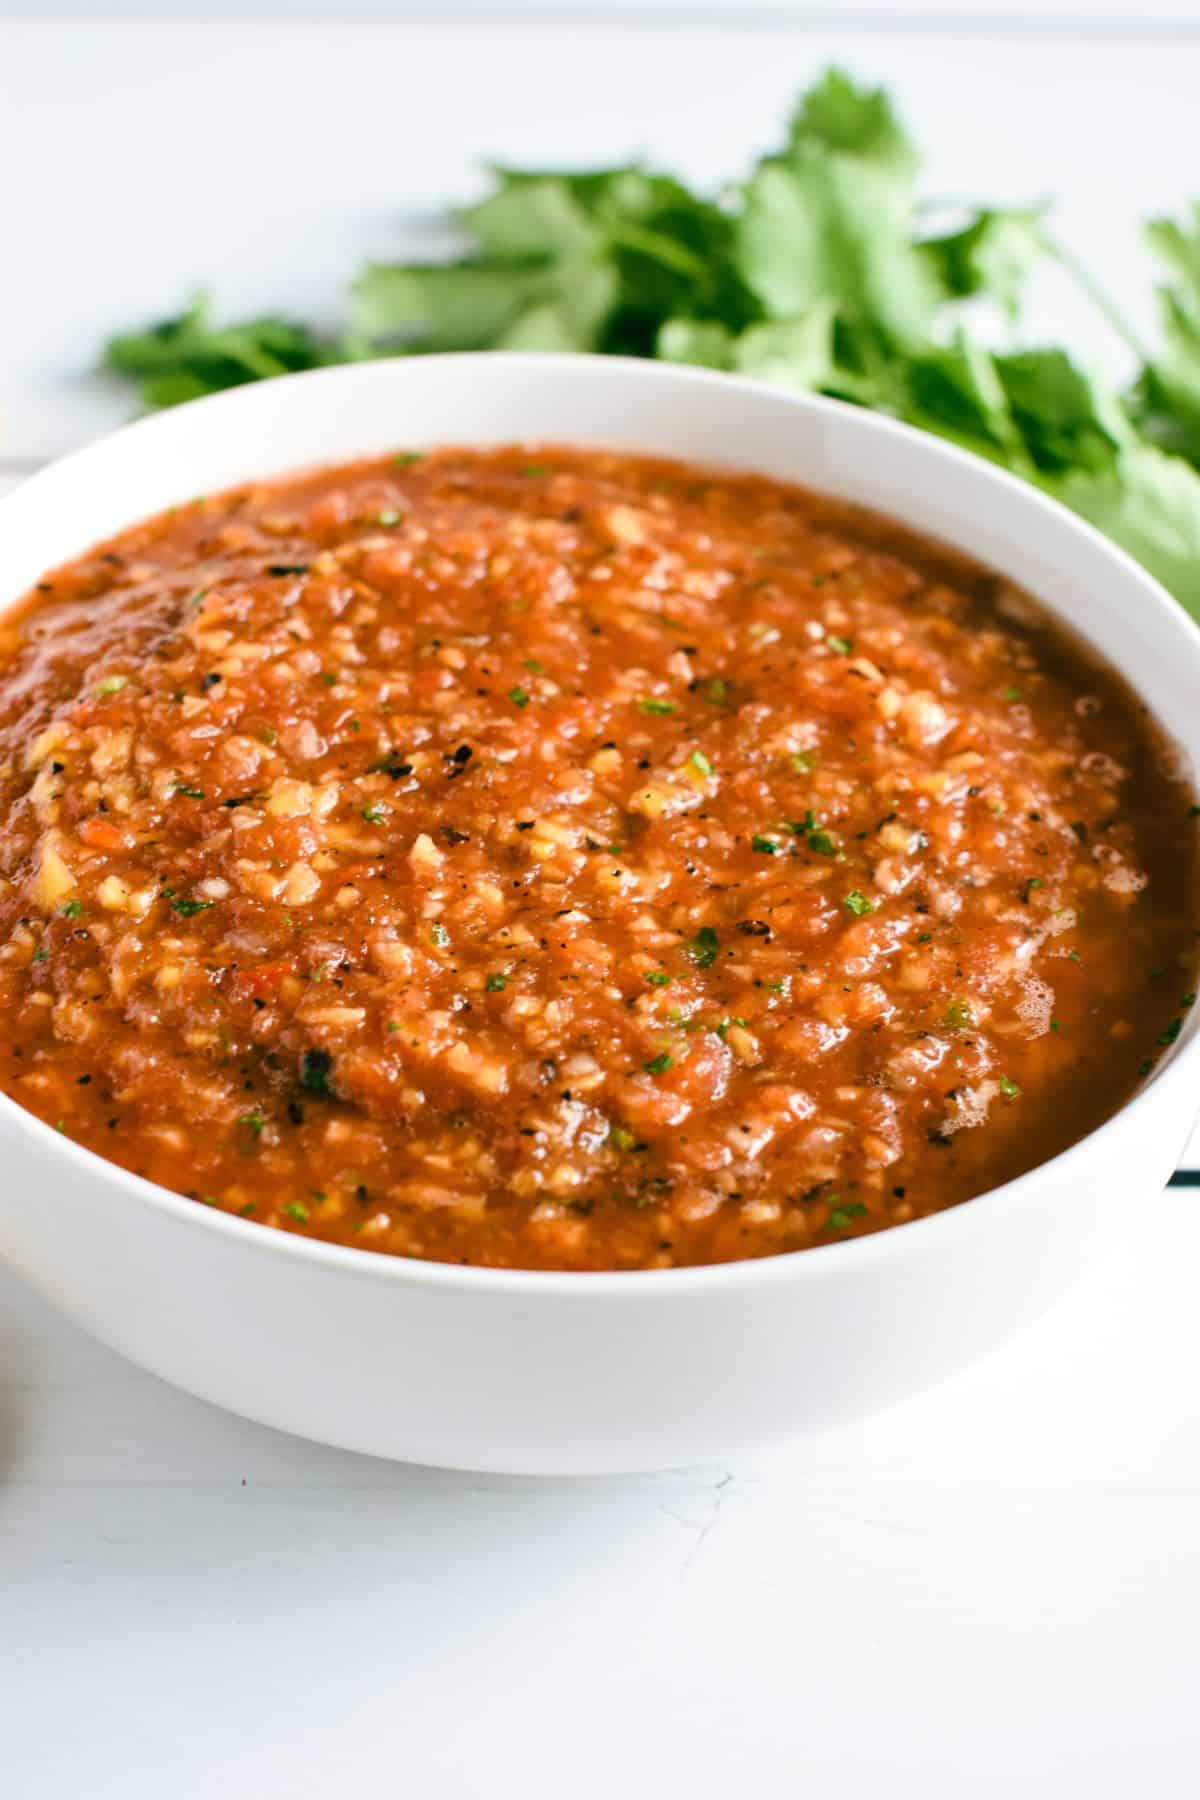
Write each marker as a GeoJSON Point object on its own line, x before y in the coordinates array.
{"type": "Point", "coordinates": [993, 1587]}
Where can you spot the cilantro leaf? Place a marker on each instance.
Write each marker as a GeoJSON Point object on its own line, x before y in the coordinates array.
{"type": "Point", "coordinates": [705, 342]}
{"type": "Point", "coordinates": [958, 393]}
{"type": "Point", "coordinates": [831, 219]}
{"type": "Point", "coordinates": [991, 255]}
{"type": "Point", "coordinates": [316, 1071]}
{"type": "Point", "coordinates": [821, 226]}
{"type": "Point", "coordinates": [797, 353]}
{"type": "Point", "coordinates": [704, 947]}
{"type": "Point", "coordinates": [528, 216]}
{"type": "Point", "coordinates": [569, 319]}
{"type": "Point", "coordinates": [1166, 399]}
{"type": "Point", "coordinates": [1148, 503]}
{"type": "Point", "coordinates": [836, 115]}
{"type": "Point", "coordinates": [442, 306]}
{"type": "Point", "coordinates": [186, 356]}
{"type": "Point", "coordinates": [1067, 420]}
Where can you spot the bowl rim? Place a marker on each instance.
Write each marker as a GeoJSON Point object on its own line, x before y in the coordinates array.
{"type": "Point", "coordinates": [909, 1238]}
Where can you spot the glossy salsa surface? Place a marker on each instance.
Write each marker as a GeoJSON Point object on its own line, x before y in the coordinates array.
{"type": "Point", "coordinates": [553, 859]}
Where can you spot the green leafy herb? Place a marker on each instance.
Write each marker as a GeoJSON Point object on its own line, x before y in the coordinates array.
{"type": "Point", "coordinates": [296, 1209]}
{"type": "Point", "coordinates": [858, 904]}
{"type": "Point", "coordinates": [316, 1068]}
{"type": "Point", "coordinates": [821, 270]}
{"type": "Point", "coordinates": [375, 814]}
{"type": "Point", "coordinates": [254, 1122]}
{"type": "Point", "coordinates": [840, 1216]}
{"type": "Point", "coordinates": [187, 356]}
{"type": "Point", "coordinates": [957, 1016]}
{"type": "Point", "coordinates": [659, 978]}
{"type": "Point", "coordinates": [991, 255]}
{"type": "Point", "coordinates": [187, 909]}
{"type": "Point", "coordinates": [73, 909]}
{"type": "Point", "coordinates": [439, 935]}
{"type": "Point", "coordinates": [112, 684]}
{"type": "Point", "coordinates": [839, 645]}
{"type": "Point", "coordinates": [656, 706]}
{"type": "Point", "coordinates": [495, 984]}
{"type": "Point", "coordinates": [658, 1065]}
{"type": "Point", "coordinates": [704, 947]}
{"type": "Point", "coordinates": [701, 763]}
{"type": "Point", "coordinates": [392, 765]}
{"type": "Point", "coordinates": [764, 845]}
{"type": "Point", "coordinates": [822, 843]}
{"type": "Point", "coordinates": [1009, 1088]}
{"type": "Point", "coordinates": [722, 1028]}
{"type": "Point", "coordinates": [518, 696]}
{"type": "Point", "coordinates": [192, 793]}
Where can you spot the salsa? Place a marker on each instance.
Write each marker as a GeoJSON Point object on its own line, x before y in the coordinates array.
{"type": "Point", "coordinates": [556, 859]}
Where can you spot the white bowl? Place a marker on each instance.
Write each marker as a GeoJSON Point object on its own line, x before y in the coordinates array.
{"type": "Point", "coordinates": [581, 1373]}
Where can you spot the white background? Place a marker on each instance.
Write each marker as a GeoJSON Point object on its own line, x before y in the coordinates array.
{"type": "Point", "coordinates": [991, 1589]}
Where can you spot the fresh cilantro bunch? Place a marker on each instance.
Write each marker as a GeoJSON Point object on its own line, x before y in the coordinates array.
{"type": "Point", "coordinates": [814, 273]}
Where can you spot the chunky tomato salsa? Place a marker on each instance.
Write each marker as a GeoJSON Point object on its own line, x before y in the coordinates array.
{"type": "Point", "coordinates": [554, 859]}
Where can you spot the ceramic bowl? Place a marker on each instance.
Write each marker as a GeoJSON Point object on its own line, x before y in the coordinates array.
{"type": "Point", "coordinates": [584, 1373]}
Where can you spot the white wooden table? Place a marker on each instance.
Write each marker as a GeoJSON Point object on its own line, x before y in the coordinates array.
{"type": "Point", "coordinates": [992, 1588]}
